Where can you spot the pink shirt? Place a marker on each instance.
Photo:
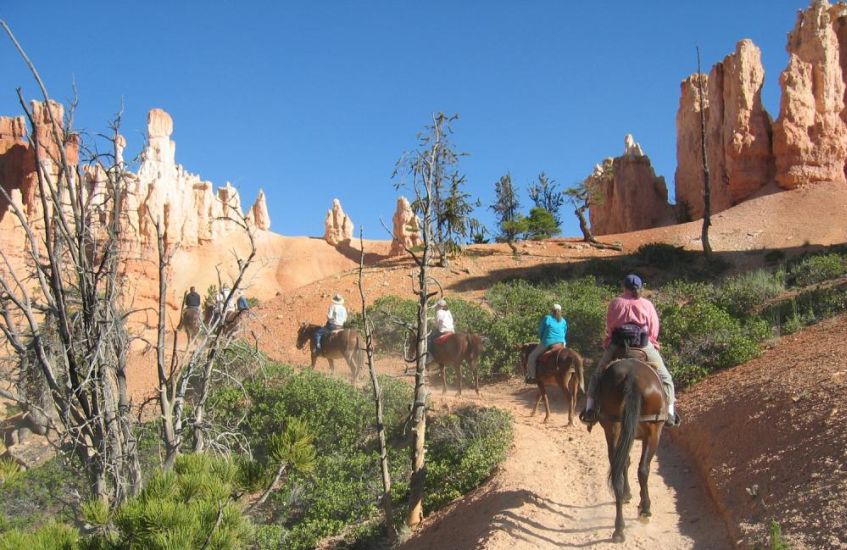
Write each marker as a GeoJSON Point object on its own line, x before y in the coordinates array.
{"type": "Point", "coordinates": [626, 309]}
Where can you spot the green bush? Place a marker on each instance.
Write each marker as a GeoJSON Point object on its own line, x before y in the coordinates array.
{"type": "Point", "coordinates": [34, 496]}
{"type": "Point", "coordinates": [700, 337]}
{"type": "Point", "coordinates": [817, 269]}
{"type": "Point", "coordinates": [741, 293]}
{"type": "Point", "coordinates": [50, 536]}
{"type": "Point", "coordinates": [807, 307]}
{"type": "Point", "coordinates": [464, 449]}
{"type": "Point", "coordinates": [184, 508]}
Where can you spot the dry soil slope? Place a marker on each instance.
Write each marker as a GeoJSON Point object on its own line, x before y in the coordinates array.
{"type": "Point", "coordinates": [769, 439]}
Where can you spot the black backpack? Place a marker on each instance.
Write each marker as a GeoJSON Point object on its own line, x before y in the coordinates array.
{"type": "Point", "coordinates": [630, 335]}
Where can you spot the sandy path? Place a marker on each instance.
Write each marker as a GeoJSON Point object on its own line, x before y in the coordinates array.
{"type": "Point", "coordinates": [551, 492]}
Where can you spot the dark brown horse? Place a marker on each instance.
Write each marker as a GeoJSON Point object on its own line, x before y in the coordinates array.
{"type": "Point", "coordinates": [452, 350]}
{"type": "Point", "coordinates": [631, 405]}
{"type": "Point", "coordinates": [191, 322]}
{"type": "Point", "coordinates": [560, 366]}
{"type": "Point", "coordinates": [344, 344]}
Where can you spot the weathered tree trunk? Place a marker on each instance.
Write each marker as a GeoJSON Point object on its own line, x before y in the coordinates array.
{"type": "Point", "coordinates": [707, 190]}
{"type": "Point", "coordinates": [385, 500]}
{"type": "Point", "coordinates": [587, 236]}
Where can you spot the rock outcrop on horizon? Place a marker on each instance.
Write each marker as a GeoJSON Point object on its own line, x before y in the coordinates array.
{"type": "Point", "coordinates": [189, 210]}
{"type": "Point", "coordinates": [18, 175]}
{"type": "Point", "coordinates": [406, 231]}
{"type": "Point", "coordinates": [338, 227]}
{"type": "Point", "coordinates": [810, 136]}
{"type": "Point", "coordinates": [738, 138]}
{"type": "Point", "coordinates": [258, 215]}
{"type": "Point", "coordinates": [632, 196]}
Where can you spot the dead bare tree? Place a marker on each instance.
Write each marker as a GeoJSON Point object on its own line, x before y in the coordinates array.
{"type": "Point", "coordinates": [707, 188]}
{"type": "Point", "coordinates": [385, 500]}
{"type": "Point", "coordinates": [425, 166]}
{"type": "Point", "coordinates": [185, 378]}
{"type": "Point", "coordinates": [60, 304]}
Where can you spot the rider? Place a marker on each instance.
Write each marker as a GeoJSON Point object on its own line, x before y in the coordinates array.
{"type": "Point", "coordinates": [551, 331]}
{"type": "Point", "coordinates": [443, 324]}
{"type": "Point", "coordinates": [192, 299]}
{"type": "Point", "coordinates": [631, 309]}
{"type": "Point", "coordinates": [335, 319]}
{"type": "Point", "coordinates": [220, 300]}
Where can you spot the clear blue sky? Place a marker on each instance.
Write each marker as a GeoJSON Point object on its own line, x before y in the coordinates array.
{"type": "Point", "coordinates": [317, 99]}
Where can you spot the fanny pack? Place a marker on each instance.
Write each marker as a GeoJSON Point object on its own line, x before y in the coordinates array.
{"type": "Point", "coordinates": [630, 335]}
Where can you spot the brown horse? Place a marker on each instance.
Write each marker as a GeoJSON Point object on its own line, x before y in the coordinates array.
{"type": "Point", "coordinates": [452, 350]}
{"type": "Point", "coordinates": [631, 405]}
{"type": "Point", "coordinates": [560, 366]}
{"type": "Point", "coordinates": [191, 322]}
{"type": "Point", "coordinates": [344, 344]}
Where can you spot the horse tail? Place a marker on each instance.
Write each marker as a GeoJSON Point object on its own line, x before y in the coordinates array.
{"type": "Point", "coordinates": [629, 422]}
{"type": "Point", "coordinates": [580, 369]}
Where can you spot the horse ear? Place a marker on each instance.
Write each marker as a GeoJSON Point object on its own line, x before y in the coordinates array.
{"type": "Point", "coordinates": [302, 324]}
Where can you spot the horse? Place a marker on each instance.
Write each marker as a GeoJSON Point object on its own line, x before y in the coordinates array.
{"type": "Point", "coordinates": [631, 405]}
{"type": "Point", "coordinates": [231, 320]}
{"type": "Point", "coordinates": [345, 344]}
{"type": "Point", "coordinates": [191, 322]}
{"type": "Point", "coordinates": [451, 350]}
{"type": "Point", "coordinates": [567, 372]}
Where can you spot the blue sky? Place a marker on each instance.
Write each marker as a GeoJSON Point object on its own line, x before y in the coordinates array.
{"type": "Point", "coordinates": [315, 100]}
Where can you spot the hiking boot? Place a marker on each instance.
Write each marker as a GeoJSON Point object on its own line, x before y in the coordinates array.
{"type": "Point", "coordinates": [530, 380]}
{"type": "Point", "coordinates": [588, 416]}
{"type": "Point", "coordinates": [673, 421]}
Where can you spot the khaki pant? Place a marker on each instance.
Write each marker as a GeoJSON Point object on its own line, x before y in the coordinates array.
{"type": "Point", "coordinates": [652, 357]}
{"type": "Point", "coordinates": [532, 360]}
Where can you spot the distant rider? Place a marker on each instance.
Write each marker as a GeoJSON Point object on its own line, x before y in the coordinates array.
{"type": "Point", "coordinates": [552, 331]}
{"type": "Point", "coordinates": [631, 309]}
{"type": "Point", "coordinates": [443, 324]}
{"type": "Point", "coordinates": [192, 299]}
{"type": "Point", "coordinates": [335, 319]}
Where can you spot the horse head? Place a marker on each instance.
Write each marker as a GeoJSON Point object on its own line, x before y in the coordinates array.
{"type": "Point", "coordinates": [523, 355]}
{"type": "Point", "coordinates": [303, 335]}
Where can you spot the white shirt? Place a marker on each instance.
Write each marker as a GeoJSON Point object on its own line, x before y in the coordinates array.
{"type": "Point", "coordinates": [444, 321]}
{"type": "Point", "coordinates": [337, 315]}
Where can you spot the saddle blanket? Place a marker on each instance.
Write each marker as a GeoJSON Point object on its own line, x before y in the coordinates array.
{"type": "Point", "coordinates": [550, 354]}
{"type": "Point", "coordinates": [443, 338]}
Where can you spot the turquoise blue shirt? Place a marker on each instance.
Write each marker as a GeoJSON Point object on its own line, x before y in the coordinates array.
{"type": "Point", "coordinates": [551, 331]}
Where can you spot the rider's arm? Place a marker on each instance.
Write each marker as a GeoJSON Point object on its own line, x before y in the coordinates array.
{"type": "Point", "coordinates": [653, 326]}
{"type": "Point", "coordinates": [542, 326]}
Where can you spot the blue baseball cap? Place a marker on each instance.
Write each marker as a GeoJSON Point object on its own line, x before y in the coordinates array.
{"type": "Point", "coordinates": [632, 282]}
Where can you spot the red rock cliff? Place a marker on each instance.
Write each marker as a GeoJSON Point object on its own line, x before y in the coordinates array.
{"type": "Point", "coordinates": [633, 197]}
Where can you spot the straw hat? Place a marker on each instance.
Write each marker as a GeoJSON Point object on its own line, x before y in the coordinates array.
{"type": "Point", "coordinates": [337, 299]}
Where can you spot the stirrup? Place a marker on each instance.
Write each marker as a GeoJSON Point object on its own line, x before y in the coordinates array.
{"type": "Point", "coordinates": [673, 421]}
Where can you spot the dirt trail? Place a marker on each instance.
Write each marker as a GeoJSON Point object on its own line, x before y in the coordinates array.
{"type": "Point", "coordinates": [552, 493]}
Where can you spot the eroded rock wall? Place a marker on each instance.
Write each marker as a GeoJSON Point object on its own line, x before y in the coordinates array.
{"type": "Point", "coordinates": [738, 133]}
{"type": "Point", "coordinates": [188, 209]}
{"type": "Point", "coordinates": [810, 136]}
{"type": "Point", "coordinates": [632, 196]}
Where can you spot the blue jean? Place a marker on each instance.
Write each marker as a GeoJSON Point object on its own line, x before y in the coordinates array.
{"type": "Point", "coordinates": [329, 327]}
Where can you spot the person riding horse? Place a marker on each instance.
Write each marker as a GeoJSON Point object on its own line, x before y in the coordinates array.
{"type": "Point", "coordinates": [192, 299]}
{"type": "Point", "coordinates": [443, 325]}
{"type": "Point", "coordinates": [335, 319]}
{"type": "Point", "coordinates": [634, 319]}
{"type": "Point", "coordinates": [551, 331]}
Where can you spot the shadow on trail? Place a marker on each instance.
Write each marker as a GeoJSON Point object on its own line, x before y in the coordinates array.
{"type": "Point", "coordinates": [678, 472]}
{"type": "Point", "coordinates": [471, 521]}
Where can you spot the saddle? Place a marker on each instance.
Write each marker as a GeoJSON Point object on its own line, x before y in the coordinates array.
{"type": "Point", "coordinates": [550, 358]}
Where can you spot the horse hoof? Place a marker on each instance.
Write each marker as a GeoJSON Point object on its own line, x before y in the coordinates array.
{"type": "Point", "coordinates": [618, 537]}
{"type": "Point", "coordinates": [627, 499]}
{"type": "Point", "coordinates": [644, 518]}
